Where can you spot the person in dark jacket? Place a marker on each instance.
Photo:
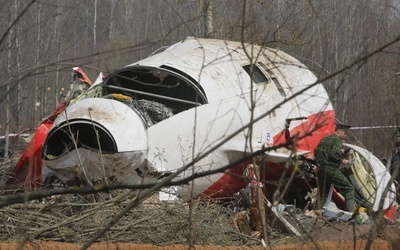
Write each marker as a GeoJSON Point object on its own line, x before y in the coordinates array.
{"type": "Point", "coordinates": [395, 162]}
{"type": "Point", "coordinates": [328, 157]}
{"type": "Point", "coordinates": [395, 144]}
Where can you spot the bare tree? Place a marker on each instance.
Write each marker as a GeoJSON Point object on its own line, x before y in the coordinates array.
{"type": "Point", "coordinates": [37, 103]}
{"type": "Point", "coordinates": [329, 36]}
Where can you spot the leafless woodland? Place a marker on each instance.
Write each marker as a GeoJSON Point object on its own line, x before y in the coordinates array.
{"type": "Point", "coordinates": [352, 45]}
{"type": "Point", "coordinates": [42, 40]}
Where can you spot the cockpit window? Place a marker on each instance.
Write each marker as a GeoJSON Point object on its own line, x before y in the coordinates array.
{"type": "Point", "coordinates": [162, 85]}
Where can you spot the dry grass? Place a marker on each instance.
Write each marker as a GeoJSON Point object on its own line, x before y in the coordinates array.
{"type": "Point", "coordinates": [77, 218]}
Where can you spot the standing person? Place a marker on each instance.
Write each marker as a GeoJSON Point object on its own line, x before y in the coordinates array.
{"type": "Point", "coordinates": [328, 157]}
{"type": "Point", "coordinates": [397, 140]}
{"type": "Point", "coordinates": [395, 162]}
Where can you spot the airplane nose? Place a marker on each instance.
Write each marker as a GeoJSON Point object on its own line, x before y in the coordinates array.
{"type": "Point", "coordinates": [96, 139]}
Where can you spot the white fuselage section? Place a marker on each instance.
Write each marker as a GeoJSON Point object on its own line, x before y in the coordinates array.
{"type": "Point", "coordinates": [221, 127]}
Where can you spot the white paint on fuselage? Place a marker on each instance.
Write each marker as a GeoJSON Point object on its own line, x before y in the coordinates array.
{"type": "Point", "coordinates": [217, 66]}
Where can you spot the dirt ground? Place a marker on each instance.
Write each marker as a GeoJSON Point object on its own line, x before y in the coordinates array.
{"type": "Point", "coordinates": [343, 245]}
{"type": "Point", "coordinates": [325, 229]}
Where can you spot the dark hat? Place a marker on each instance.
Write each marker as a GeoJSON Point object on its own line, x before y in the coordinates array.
{"type": "Point", "coordinates": [342, 126]}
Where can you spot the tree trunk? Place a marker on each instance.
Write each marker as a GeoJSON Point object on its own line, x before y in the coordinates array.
{"type": "Point", "coordinates": [58, 49]}
{"type": "Point", "coordinates": [18, 64]}
{"type": "Point", "coordinates": [37, 102]}
{"type": "Point", "coordinates": [112, 9]}
{"type": "Point", "coordinates": [94, 25]}
{"type": "Point", "coordinates": [7, 104]}
{"type": "Point", "coordinates": [208, 18]}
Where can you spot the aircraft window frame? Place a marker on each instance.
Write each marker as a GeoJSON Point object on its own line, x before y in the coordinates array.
{"type": "Point", "coordinates": [258, 77]}
{"type": "Point", "coordinates": [271, 76]}
{"type": "Point", "coordinates": [156, 84]}
{"type": "Point", "coordinates": [263, 75]}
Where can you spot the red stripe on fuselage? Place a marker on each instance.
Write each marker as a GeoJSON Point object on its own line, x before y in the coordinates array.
{"type": "Point", "coordinates": [318, 125]}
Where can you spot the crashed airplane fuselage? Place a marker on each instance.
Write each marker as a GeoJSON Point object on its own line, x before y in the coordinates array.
{"type": "Point", "coordinates": [211, 102]}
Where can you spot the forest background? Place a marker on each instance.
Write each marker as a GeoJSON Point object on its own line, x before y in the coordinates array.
{"type": "Point", "coordinates": [41, 40]}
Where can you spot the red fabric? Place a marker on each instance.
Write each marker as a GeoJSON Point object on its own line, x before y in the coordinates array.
{"type": "Point", "coordinates": [27, 173]}
{"type": "Point", "coordinates": [28, 170]}
{"type": "Point", "coordinates": [390, 213]}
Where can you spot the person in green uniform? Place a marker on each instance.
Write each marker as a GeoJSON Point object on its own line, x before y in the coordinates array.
{"type": "Point", "coordinates": [328, 156]}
